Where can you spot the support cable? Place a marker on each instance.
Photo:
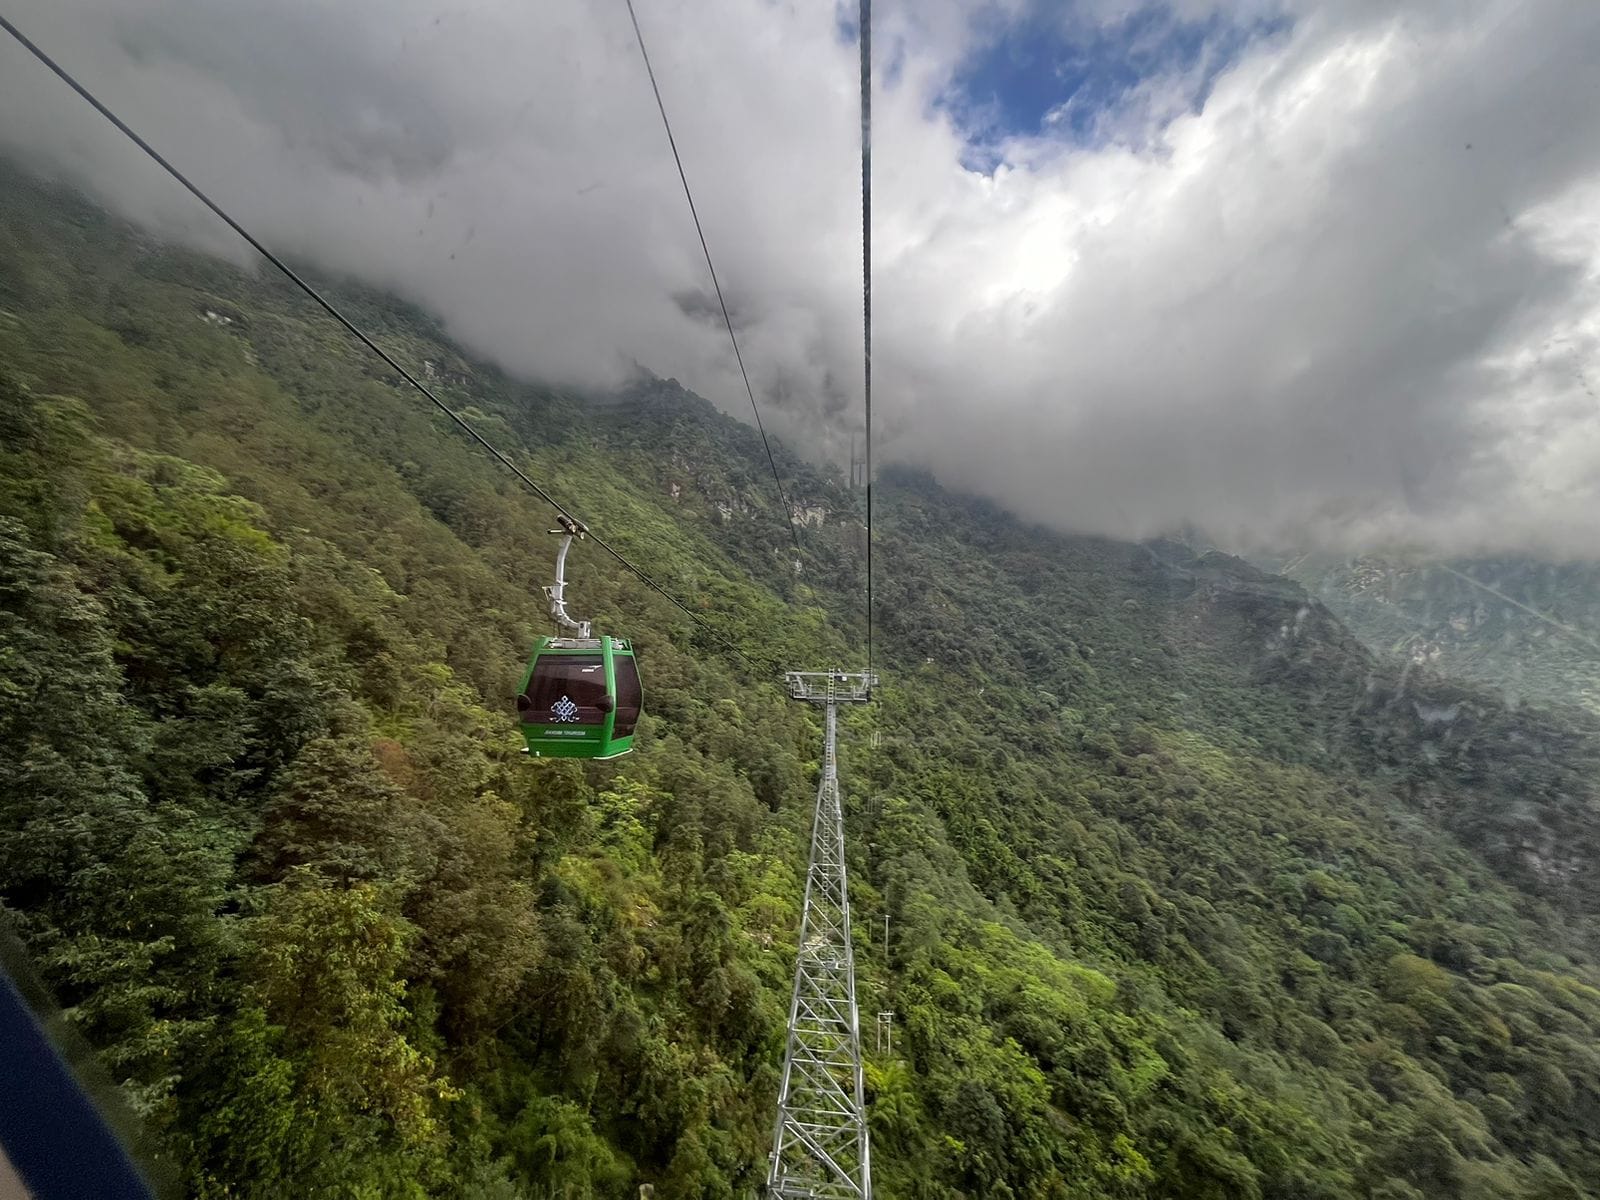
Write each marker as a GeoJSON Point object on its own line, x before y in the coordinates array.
{"type": "Point", "coordinates": [866, 278]}
{"type": "Point", "coordinates": [788, 509]}
{"type": "Point", "coordinates": [350, 326]}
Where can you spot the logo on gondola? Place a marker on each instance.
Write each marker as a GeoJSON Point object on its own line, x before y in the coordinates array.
{"type": "Point", "coordinates": [564, 709]}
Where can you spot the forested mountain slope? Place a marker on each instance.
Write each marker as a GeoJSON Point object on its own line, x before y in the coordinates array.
{"type": "Point", "coordinates": [1528, 629]}
{"type": "Point", "coordinates": [1188, 895]}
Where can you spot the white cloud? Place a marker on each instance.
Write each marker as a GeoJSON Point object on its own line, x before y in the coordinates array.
{"type": "Point", "coordinates": [1354, 298]}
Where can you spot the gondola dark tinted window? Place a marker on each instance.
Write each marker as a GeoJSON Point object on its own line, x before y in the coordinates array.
{"type": "Point", "coordinates": [580, 680]}
{"type": "Point", "coordinates": [629, 696]}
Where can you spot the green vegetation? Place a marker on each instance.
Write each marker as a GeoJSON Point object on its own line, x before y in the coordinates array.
{"type": "Point", "coordinates": [1188, 896]}
{"type": "Point", "coordinates": [1529, 630]}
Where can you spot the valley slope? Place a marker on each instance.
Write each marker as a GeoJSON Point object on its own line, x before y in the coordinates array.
{"type": "Point", "coordinates": [1525, 628]}
{"type": "Point", "coordinates": [1188, 895]}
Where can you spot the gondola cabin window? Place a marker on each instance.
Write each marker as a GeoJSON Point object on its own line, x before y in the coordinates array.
{"type": "Point", "coordinates": [630, 698]}
{"type": "Point", "coordinates": [570, 690]}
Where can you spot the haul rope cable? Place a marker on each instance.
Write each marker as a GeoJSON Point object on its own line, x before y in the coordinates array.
{"type": "Point", "coordinates": [290, 274]}
{"type": "Point", "coordinates": [788, 509]}
{"type": "Point", "coordinates": [866, 278]}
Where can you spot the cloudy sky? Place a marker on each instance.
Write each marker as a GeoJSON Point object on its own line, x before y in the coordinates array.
{"type": "Point", "coordinates": [1289, 272]}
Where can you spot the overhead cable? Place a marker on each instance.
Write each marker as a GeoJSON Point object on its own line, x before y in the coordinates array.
{"type": "Point", "coordinates": [866, 277]}
{"type": "Point", "coordinates": [350, 326]}
{"type": "Point", "coordinates": [788, 509]}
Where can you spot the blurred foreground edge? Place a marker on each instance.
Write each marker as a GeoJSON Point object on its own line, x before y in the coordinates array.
{"type": "Point", "coordinates": [57, 1141]}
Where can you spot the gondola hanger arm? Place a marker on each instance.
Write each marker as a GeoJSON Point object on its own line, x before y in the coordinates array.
{"type": "Point", "coordinates": [557, 593]}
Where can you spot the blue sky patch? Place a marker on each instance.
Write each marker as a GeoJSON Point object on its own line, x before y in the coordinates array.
{"type": "Point", "coordinates": [1049, 75]}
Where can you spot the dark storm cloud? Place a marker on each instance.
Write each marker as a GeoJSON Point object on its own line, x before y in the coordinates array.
{"type": "Point", "coordinates": [1346, 289]}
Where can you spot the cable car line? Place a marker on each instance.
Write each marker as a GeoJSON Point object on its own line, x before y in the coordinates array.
{"type": "Point", "coordinates": [865, 40]}
{"type": "Point", "coordinates": [821, 1143]}
{"type": "Point", "coordinates": [788, 509]}
{"type": "Point", "coordinates": [350, 326]}
{"type": "Point", "coordinates": [1559, 626]}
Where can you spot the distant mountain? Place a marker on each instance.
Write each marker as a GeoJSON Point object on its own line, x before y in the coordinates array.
{"type": "Point", "coordinates": [1530, 630]}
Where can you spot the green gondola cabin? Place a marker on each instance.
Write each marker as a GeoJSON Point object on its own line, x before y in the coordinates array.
{"type": "Point", "coordinates": [580, 698]}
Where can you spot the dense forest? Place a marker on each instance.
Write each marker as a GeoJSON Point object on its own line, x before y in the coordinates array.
{"type": "Point", "coordinates": [1187, 894]}
{"type": "Point", "coordinates": [1527, 629]}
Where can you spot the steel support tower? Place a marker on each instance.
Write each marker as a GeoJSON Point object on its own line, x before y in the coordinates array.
{"type": "Point", "coordinates": [819, 1148]}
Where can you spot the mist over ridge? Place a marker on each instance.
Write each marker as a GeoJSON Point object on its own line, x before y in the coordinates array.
{"type": "Point", "coordinates": [1290, 276]}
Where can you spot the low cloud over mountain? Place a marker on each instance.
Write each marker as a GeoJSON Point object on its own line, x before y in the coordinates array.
{"type": "Point", "coordinates": [1281, 271]}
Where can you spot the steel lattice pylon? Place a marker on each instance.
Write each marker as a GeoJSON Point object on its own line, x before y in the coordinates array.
{"type": "Point", "coordinates": [819, 1148]}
